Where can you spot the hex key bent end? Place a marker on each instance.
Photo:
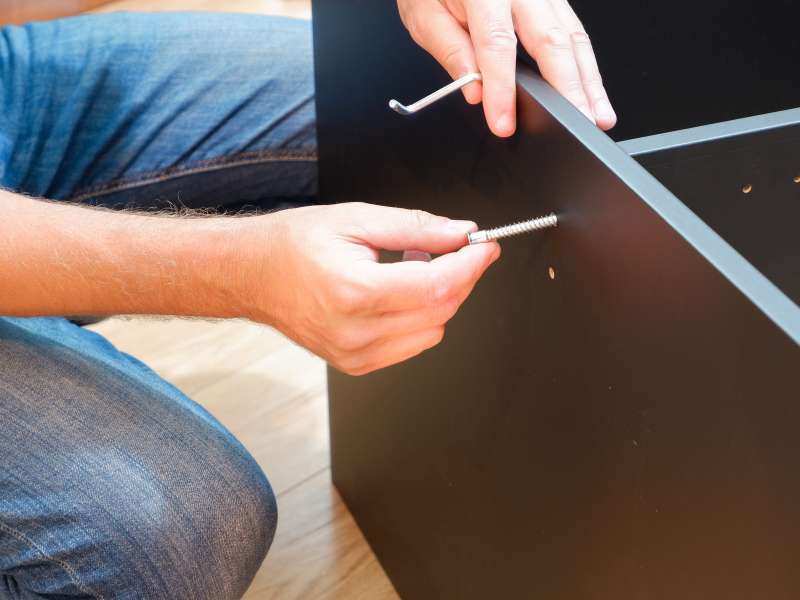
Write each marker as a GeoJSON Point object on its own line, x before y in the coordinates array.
{"type": "Point", "coordinates": [400, 108]}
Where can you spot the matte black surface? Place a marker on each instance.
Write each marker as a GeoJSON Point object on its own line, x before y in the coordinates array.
{"type": "Point", "coordinates": [626, 430]}
{"type": "Point", "coordinates": [677, 64]}
{"type": "Point", "coordinates": [762, 224]}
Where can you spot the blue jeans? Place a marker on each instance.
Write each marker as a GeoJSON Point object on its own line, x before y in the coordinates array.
{"type": "Point", "coordinates": [113, 484]}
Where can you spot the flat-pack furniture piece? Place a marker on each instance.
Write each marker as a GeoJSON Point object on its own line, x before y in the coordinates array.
{"type": "Point", "coordinates": [615, 411]}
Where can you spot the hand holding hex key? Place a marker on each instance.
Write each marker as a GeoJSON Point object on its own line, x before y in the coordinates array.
{"type": "Point", "coordinates": [486, 235]}
{"type": "Point", "coordinates": [481, 35]}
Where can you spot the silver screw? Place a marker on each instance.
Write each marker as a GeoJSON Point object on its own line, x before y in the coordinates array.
{"type": "Point", "coordinates": [488, 235]}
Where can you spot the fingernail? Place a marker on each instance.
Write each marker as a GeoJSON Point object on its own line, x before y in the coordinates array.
{"type": "Point", "coordinates": [604, 111]}
{"type": "Point", "coordinates": [416, 255]}
{"type": "Point", "coordinates": [462, 227]}
{"type": "Point", "coordinates": [504, 125]}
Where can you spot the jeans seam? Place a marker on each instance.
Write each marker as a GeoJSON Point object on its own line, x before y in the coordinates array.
{"type": "Point", "coordinates": [73, 575]}
{"type": "Point", "coordinates": [193, 168]}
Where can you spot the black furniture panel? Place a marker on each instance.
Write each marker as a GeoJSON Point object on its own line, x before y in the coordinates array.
{"type": "Point", "coordinates": [745, 186]}
{"type": "Point", "coordinates": [682, 63]}
{"type": "Point", "coordinates": [626, 429]}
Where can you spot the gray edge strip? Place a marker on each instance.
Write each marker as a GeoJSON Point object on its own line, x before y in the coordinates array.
{"type": "Point", "coordinates": [708, 133]}
{"type": "Point", "coordinates": [760, 290]}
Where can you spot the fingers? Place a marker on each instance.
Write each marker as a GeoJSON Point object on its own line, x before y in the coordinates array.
{"type": "Point", "coordinates": [587, 65]}
{"type": "Point", "coordinates": [437, 31]}
{"type": "Point", "coordinates": [592, 82]}
{"type": "Point", "coordinates": [549, 30]}
{"type": "Point", "coordinates": [492, 30]}
{"type": "Point", "coordinates": [556, 39]}
{"type": "Point", "coordinates": [401, 229]}
{"type": "Point", "coordinates": [404, 321]}
{"type": "Point", "coordinates": [379, 337]}
{"type": "Point", "coordinates": [392, 351]}
{"type": "Point", "coordinates": [418, 285]}
{"type": "Point", "coordinates": [397, 336]}
{"type": "Point", "coordinates": [547, 39]}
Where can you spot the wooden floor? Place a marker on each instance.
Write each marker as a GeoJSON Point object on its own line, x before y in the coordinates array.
{"type": "Point", "coordinates": [271, 394]}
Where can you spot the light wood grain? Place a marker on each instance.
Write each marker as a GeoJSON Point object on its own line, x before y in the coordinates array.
{"type": "Point", "coordinates": [272, 395]}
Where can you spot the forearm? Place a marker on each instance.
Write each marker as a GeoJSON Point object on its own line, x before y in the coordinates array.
{"type": "Point", "coordinates": [58, 259]}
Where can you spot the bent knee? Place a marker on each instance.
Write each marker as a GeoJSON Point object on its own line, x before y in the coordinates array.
{"type": "Point", "coordinates": [203, 536]}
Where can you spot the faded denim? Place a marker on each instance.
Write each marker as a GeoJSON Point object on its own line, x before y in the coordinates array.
{"type": "Point", "coordinates": [113, 484]}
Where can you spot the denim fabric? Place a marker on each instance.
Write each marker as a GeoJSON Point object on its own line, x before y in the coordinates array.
{"type": "Point", "coordinates": [113, 484]}
{"type": "Point", "coordinates": [141, 110]}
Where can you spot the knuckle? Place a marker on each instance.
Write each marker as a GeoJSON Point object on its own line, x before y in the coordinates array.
{"type": "Point", "coordinates": [593, 82]}
{"type": "Point", "coordinates": [349, 299]}
{"type": "Point", "coordinates": [500, 38]}
{"type": "Point", "coordinates": [450, 56]}
{"type": "Point", "coordinates": [581, 38]}
{"type": "Point", "coordinates": [421, 218]}
{"type": "Point", "coordinates": [573, 89]}
{"type": "Point", "coordinates": [554, 40]}
{"type": "Point", "coordinates": [348, 340]}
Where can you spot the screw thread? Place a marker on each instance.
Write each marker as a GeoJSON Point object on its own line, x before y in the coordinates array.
{"type": "Point", "coordinates": [522, 227]}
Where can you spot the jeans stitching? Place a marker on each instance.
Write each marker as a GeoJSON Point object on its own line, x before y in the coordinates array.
{"type": "Point", "coordinates": [73, 575]}
{"type": "Point", "coordinates": [202, 166]}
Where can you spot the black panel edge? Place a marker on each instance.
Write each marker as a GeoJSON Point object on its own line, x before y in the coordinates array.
{"type": "Point", "coordinates": [710, 133]}
{"type": "Point", "coordinates": [747, 279]}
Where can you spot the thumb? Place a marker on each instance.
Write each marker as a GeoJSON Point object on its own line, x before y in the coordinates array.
{"type": "Point", "coordinates": [400, 229]}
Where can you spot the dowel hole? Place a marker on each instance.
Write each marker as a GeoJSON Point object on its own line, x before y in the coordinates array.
{"type": "Point", "coordinates": [747, 188]}
{"type": "Point", "coordinates": [551, 272]}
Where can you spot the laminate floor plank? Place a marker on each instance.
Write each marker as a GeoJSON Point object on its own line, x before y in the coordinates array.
{"type": "Point", "coordinates": [316, 534]}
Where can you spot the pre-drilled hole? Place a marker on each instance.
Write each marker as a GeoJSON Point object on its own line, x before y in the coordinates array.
{"type": "Point", "coordinates": [797, 178]}
{"type": "Point", "coordinates": [551, 272]}
{"type": "Point", "coordinates": [747, 188]}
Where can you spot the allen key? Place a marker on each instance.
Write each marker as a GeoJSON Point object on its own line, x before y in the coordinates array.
{"type": "Point", "coordinates": [435, 96]}
{"type": "Point", "coordinates": [486, 235]}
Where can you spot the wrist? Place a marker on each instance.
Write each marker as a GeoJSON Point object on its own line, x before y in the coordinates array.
{"type": "Point", "coordinates": [215, 259]}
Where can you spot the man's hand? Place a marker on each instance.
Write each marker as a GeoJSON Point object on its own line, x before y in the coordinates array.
{"type": "Point", "coordinates": [310, 272]}
{"type": "Point", "coordinates": [466, 36]}
{"type": "Point", "coordinates": [320, 281]}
